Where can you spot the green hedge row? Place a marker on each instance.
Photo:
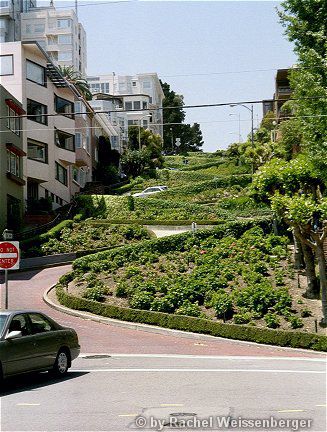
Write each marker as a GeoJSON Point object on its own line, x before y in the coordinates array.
{"type": "Point", "coordinates": [99, 260]}
{"type": "Point", "coordinates": [153, 222]}
{"type": "Point", "coordinates": [39, 239]}
{"type": "Point", "coordinates": [203, 166]}
{"type": "Point", "coordinates": [195, 325]}
{"type": "Point", "coordinates": [241, 180]}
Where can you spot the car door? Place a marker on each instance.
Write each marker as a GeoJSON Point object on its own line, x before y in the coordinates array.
{"type": "Point", "coordinates": [47, 339]}
{"type": "Point", "coordinates": [18, 353]}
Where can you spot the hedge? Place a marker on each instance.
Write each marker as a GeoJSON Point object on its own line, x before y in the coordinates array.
{"type": "Point", "coordinates": [39, 239]}
{"type": "Point", "coordinates": [153, 222]}
{"type": "Point", "coordinates": [165, 244]}
{"type": "Point", "coordinates": [195, 325]}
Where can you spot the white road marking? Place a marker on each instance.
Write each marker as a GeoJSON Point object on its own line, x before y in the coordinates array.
{"type": "Point", "coordinates": [208, 357]}
{"type": "Point", "coordinates": [171, 405]}
{"type": "Point", "coordinates": [28, 404]}
{"type": "Point", "coordinates": [199, 370]}
{"type": "Point", "coordinates": [127, 415]}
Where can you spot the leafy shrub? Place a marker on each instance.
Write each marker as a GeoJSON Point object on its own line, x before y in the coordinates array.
{"type": "Point", "coordinates": [141, 300]}
{"type": "Point", "coordinates": [272, 320]}
{"type": "Point", "coordinates": [295, 322]}
{"type": "Point", "coordinates": [122, 290]}
{"type": "Point", "coordinates": [222, 304]}
{"type": "Point", "coordinates": [162, 304]}
{"type": "Point", "coordinates": [243, 318]}
{"type": "Point", "coordinates": [96, 293]}
{"type": "Point", "coordinates": [189, 309]}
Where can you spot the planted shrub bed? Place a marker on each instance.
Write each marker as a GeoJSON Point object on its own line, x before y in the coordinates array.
{"type": "Point", "coordinates": [195, 283]}
{"type": "Point", "coordinates": [80, 236]}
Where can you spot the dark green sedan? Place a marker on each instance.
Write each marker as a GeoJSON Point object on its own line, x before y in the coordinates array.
{"type": "Point", "coordinates": [30, 341]}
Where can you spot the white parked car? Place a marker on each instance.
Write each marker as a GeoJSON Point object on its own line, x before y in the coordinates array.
{"type": "Point", "coordinates": [150, 190]}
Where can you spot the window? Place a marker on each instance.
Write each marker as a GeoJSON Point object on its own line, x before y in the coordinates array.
{"type": "Point", "coordinates": [13, 164]}
{"type": "Point", "coordinates": [75, 174]}
{"type": "Point", "coordinates": [40, 324]}
{"type": "Point", "coordinates": [36, 112]}
{"type": "Point", "coordinates": [95, 88]}
{"type": "Point", "coordinates": [128, 106]}
{"type": "Point", "coordinates": [39, 28]}
{"type": "Point", "coordinates": [64, 140]}
{"type": "Point", "coordinates": [78, 140]}
{"type": "Point", "coordinates": [61, 174]}
{"type": "Point", "coordinates": [65, 56]}
{"type": "Point", "coordinates": [19, 323]}
{"type": "Point", "coordinates": [105, 87]}
{"type": "Point", "coordinates": [137, 105]}
{"type": "Point", "coordinates": [134, 83]}
{"type": "Point", "coordinates": [65, 39]}
{"type": "Point", "coordinates": [64, 23]}
{"type": "Point", "coordinates": [6, 65]}
{"type": "Point", "coordinates": [37, 151]}
{"type": "Point", "coordinates": [88, 142]}
{"type": "Point", "coordinates": [145, 123]}
{"type": "Point", "coordinates": [35, 73]}
{"type": "Point", "coordinates": [145, 105]}
{"type": "Point", "coordinates": [63, 106]}
{"type": "Point", "coordinates": [14, 122]}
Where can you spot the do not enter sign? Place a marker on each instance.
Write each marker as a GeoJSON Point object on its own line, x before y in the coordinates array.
{"type": "Point", "coordinates": [9, 255]}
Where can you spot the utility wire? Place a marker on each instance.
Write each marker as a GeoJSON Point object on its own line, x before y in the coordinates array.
{"type": "Point", "coordinates": [77, 129]}
{"type": "Point", "coordinates": [163, 108]}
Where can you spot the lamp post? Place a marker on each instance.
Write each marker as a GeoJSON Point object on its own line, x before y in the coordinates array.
{"type": "Point", "coordinates": [252, 136]}
{"type": "Point", "coordinates": [141, 118]}
{"type": "Point", "coordinates": [172, 140]}
{"type": "Point", "coordinates": [239, 126]}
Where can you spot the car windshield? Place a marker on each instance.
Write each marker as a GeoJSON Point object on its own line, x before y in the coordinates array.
{"type": "Point", "coordinates": [3, 319]}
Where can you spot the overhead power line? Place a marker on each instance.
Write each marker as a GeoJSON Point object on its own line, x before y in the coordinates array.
{"type": "Point", "coordinates": [214, 105]}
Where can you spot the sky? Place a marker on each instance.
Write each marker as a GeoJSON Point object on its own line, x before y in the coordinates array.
{"type": "Point", "coordinates": [208, 51]}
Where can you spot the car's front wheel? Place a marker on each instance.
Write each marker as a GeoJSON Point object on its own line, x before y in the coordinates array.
{"type": "Point", "coordinates": [62, 363]}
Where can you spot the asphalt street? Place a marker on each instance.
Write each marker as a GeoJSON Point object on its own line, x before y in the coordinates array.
{"type": "Point", "coordinates": [121, 393]}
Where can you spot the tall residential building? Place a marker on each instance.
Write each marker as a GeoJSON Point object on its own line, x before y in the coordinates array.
{"type": "Point", "coordinates": [142, 97]}
{"type": "Point", "coordinates": [11, 161]}
{"type": "Point", "coordinates": [10, 18]}
{"type": "Point", "coordinates": [48, 140]}
{"type": "Point", "coordinates": [59, 33]}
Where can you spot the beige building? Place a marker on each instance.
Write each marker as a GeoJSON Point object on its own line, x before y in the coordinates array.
{"type": "Point", "coordinates": [49, 132]}
{"type": "Point", "coordinates": [59, 33]}
{"type": "Point", "coordinates": [11, 161]}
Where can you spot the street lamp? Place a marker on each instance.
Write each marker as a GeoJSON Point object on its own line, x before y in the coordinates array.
{"type": "Point", "coordinates": [239, 126]}
{"type": "Point", "coordinates": [252, 136]}
{"type": "Point", "coordinates": [141, 118]}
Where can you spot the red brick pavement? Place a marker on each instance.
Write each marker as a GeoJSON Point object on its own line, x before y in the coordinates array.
{"type": "Point", "coordinates": [26, 290]}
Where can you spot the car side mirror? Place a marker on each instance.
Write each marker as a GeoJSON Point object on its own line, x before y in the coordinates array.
{"type": "Point", "coordinates": [13, 335]}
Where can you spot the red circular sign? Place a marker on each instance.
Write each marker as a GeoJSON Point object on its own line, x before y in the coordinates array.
{"type": "Point", "coordinates": [9, 255]}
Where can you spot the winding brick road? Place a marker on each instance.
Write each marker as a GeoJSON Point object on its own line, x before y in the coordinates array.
{"type": "Point", "coordinates": [26, 290]}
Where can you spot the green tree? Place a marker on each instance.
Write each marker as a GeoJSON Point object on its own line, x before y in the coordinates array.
{"type": "Point", "coordinates": [77, 80]}
{"type": "Point", "coordinates": [134, 162]}
{"type": "Point", "coordinates": [173, 118]}
{"type": "Point", "coordinates": [305, 25]}
{"type": "Point", "coordinates": [295, 191]}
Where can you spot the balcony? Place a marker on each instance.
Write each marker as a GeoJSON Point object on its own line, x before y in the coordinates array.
{"type": "Point", "coordinates": [67, 157]}
{"type": "Point", "coordinates": [38, 171]}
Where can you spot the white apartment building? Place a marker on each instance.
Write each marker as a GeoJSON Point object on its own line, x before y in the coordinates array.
{"type": "Point", "coordinates": [117, 120]}
{"type": "Point", "coordinates": [10, 18]}
{"type": "Point", "coordinates": [59, 33]}
{"type": "Point", "coordinates": [142, 97]}
{"type": "Point", "coordinates": [49, 142]}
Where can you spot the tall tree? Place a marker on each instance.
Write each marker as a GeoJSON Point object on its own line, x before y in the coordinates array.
{"type": "Point", "coordinates": [306, 26]}
{"type": "Point", "coordinates": [191, 136]}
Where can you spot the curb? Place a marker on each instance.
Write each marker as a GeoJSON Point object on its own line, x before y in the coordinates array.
{"type": "Point", "coordinates": [160, 330]}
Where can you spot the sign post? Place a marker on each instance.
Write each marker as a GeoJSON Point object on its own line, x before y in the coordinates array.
{"type": "Point", "coordinates": [9, 260]}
